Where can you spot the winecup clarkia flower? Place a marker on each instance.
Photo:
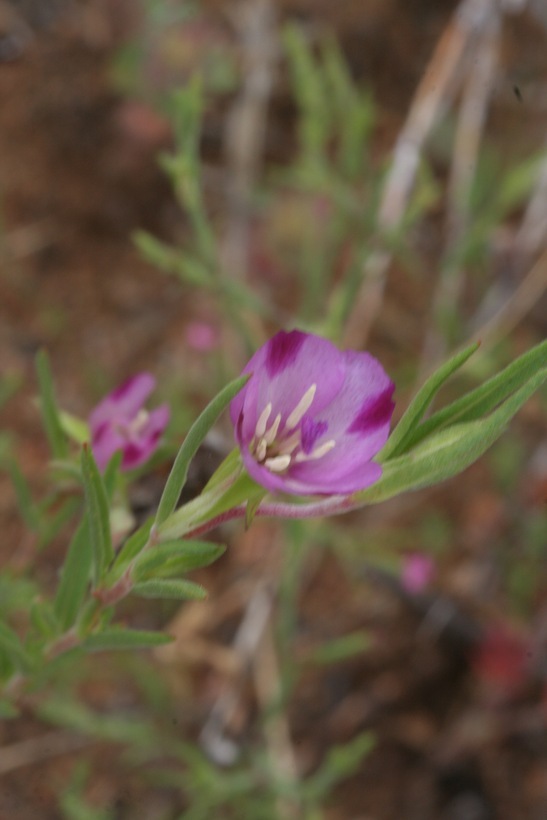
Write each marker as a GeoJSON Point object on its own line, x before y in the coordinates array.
{"type": "Point", "coordinates": [120, 422]}
{"type": "Point", "coordinates": [311, 417]}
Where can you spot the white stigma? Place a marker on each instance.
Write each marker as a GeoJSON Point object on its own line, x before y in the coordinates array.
{"type": "Point", "coordinates": [303, 405]}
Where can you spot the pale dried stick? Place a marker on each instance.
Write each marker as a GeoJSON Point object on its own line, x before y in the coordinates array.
{"type": "Point", "coordinates": [213, 738]}
{"type": "Point", "coordinates": [526, 295]}
{"type": "Point", "coordinates": [267, 678]}
{"type": "Point", "coordinates": [434, 94]}
{"type": "Point", "coordinates": [481, 66]}
{"type": "Point", "coordinates": [246, 127]}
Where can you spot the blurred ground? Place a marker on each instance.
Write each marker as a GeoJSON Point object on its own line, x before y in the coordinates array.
{"type": "Point", "coordinates": [459, 712]}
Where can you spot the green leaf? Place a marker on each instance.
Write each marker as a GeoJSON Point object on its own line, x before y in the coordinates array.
{"type": "Point", "coordinates": [487, 396]}
{"type": "Point", "coordinates": [98, 514]}
{"type": "Point", "coordinates": [27, 507]}
{"type": "Point", "coordinates": [447, 452]}
{"type": "Point", "coordinates": [111, 474]}
{"type": "Point", "coordinates": [396, 444]}
{"type": "Point", "coordinates": [170, 588]}
{"type": "Point", "coordinates": [43, 619]}
{"type": "Point", "coordinates": [14, 649]}
{"type": "Point", "coordinates": [54, 524]}
{"type": "Point", "coordinates": [188, 555]}
{"type": "Point", "coordinates": [132, 547]}
{"type": "Point", "coordinates": [118, 638]}
{"type": "Point", "coordinates": [52, 421]}
{"type": "Point", "coordinates": [75, 577]}
{"type": "Point", "coordinates": [75, 428]}
{"type": "Point", "coordinates": [190, 445]}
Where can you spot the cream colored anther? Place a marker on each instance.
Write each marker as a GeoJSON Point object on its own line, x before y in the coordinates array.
{"type": "Point", "coordinates": [303, 405]}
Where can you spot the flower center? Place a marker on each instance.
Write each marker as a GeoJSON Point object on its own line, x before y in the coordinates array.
{"type": "Point", "coordinates": [278, 446]}
{"type": "Point", "coordinates": [131, 428]}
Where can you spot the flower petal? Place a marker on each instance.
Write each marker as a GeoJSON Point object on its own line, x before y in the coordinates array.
{"type": "Point", "coordinates": [284, 369]}
{"type": "Point", "coordinates": [125, 401]}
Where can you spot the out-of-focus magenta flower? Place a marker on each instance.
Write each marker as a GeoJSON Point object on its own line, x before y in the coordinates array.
{"type": "Point", "coordinates": [417, 572]}
{"type": "Point", "coordinates": [311, 417]}
{"type": "Point", "coordinates": [120, 422]}
{"type": "Point", "coordinates": [201, 336]}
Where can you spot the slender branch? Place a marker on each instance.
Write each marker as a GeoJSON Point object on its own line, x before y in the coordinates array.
{"type": "Point", "coordinates": [334, 505]}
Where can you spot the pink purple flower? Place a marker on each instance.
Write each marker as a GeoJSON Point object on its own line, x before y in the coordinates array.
{"type": "Point", "coordinates": [311, 417]}
{"type": "Point", "coordinates": [417, 572]}
{"type": "Point", "coordinates": [120, 422]}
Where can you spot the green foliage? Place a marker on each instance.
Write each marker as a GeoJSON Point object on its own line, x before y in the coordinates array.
{"type": "Point", "coordinates": [48, 404]}
{"type": "Point", "coordinates": [195, 437]}
{"type": "Point", "coordinates": [98, 515]}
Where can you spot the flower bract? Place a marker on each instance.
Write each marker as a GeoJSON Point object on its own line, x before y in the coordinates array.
{"type": "Point", "coordinates": [312, 417]}
{"type": "Point", "coordinates": [120, 422]}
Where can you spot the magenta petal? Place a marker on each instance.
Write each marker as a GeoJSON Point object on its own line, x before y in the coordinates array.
{"type": "Point", "coordinates": [125, 401]}
{"type": "Point", "coordinates": [105, 445]}
{"type": "Point", "coordinates": [312, 360]}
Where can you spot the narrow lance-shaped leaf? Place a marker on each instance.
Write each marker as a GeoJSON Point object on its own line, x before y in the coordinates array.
{"type": "Point", "coordinates": [487, 396]}
{"type": "Point", "coordinates": [196, 435]}
{"type": "Point", "coordinates": [117, 638]}
{"type": "Point", "coordinates": [14, 649]}
{"type": "Point", "coordinates": [56, 437]}
{"type": "Point", "coordinates": [188, 555]}
{"type": "Point", "coordinates": [447, 452]}
{"type": "Point", "coordinates": [396, 444]}
{"type": "Point", "coordinates": [178, 589]}
{"type": "Point", "coordinates": [75, 576]}
{"type": "Point", "coordinates": [98, 515]}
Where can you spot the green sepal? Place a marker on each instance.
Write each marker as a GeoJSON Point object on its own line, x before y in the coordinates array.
{"type": "Point", "coordinates": [50, 413]}
{"type": "Point", "coordinates": [75, 576]}
{"type": "Point", "coordinates": [179, 556]}
{"type": "Point", "coordinates": [118, 638]}
{"type": "Point", "coordinates": [176, 588]}
{"type": "Point", "coordinates": [98, 515]}
{"type": "Point", "coordinates": [208, 506]}
{"type": "Point", "coordinates": [225, 470]}
{"type": "Point", "coordinates": [252, 506]}
{"type": "Point", "coordinates": [190, 445]}
{"type": "Point", "coordinates": [401, 436]}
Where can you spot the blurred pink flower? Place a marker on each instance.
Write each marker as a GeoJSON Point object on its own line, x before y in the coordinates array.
{"type": "Point", "coordinates": [120, 422]}
{"type": "Point", "coordinates": [201, 336]}
{"type": "Point", "coordinates": [417, 573]}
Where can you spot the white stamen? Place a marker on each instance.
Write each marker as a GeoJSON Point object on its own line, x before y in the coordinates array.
{"type": "Point", "coordinates": [319, 452]}
{"type": "Point", "coordinates": [303, 405]}
{"type": "Point", "coordinates": [136, 424]}
{"type": "Point", "coordinates": [278, 463]}
{"type": "Point", "coordinates": [263, 420]}
{"type": "Point", "coordinates": [269, 436]}
{"type": "Point", "coordinates": [261, 448]}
